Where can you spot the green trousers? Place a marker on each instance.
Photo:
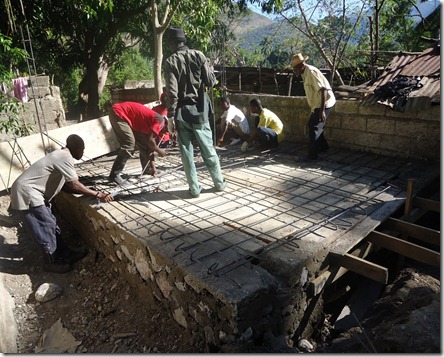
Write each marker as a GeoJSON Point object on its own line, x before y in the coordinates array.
{"type": "Point", "coordinates": [204, 136]}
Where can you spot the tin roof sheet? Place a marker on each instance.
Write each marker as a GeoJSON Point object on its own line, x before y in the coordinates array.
{"type": "Point", "coordinates": [426, 65]}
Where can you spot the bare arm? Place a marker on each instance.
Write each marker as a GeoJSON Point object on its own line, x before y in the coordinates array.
{"type": "Point", "coordinates": [75, 186]}
{"type": "Point", "coordinates": [323, 100]}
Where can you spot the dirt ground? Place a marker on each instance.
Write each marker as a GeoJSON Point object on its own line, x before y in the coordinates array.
{"type": "Point", "coordinates": [98, 307]}
{"type": "Point", "coordinates": [105, 314]}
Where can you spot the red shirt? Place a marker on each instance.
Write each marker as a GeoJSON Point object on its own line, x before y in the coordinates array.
{"type": "Point", "coordinates": [140, 118]}
{"type": "Point", "coordinates": [164, 112]}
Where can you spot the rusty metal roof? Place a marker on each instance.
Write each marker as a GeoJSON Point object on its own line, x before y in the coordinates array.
{"type": "Point", "coordinates": [426, 65]}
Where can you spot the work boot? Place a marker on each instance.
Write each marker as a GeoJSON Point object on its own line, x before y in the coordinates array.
{"type": "Point", "coordinates": [119, 163]}
{"type": "Point", "coordinates": [55, 264]}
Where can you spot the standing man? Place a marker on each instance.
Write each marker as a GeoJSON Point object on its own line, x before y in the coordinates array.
{"type": "Point", "coordinates": [269, 132]}
{"type": "Point", "coordinates": [320, 98]}
{"type": "Point", "coordinates": [33, 191]}
{"type": "Point", "coordinates": [136, 127]}
{"type": "Point", "coordinates": [233, 118]}
{"type": "Point", "coordinates": [187, 72]}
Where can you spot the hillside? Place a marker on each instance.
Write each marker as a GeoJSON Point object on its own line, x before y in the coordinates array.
{"type": "Point", "coordinates": [251, 28]}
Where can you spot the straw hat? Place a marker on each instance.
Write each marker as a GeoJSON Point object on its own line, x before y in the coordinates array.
{"type": "Point", "coordinates": [297, 59]}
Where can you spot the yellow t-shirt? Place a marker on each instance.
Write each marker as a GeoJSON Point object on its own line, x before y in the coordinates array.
{"type": "Point", "coordinates": [271, 120]}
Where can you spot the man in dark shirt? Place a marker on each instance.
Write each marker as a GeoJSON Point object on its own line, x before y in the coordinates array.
{"type": "Point", "coordinates": [187, 72]}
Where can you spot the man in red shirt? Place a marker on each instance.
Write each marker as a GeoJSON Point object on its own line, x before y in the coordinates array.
{"type": "Point", "coordinates": [136, 127]}
{"type": "Point", "coordinates": [162, 109]}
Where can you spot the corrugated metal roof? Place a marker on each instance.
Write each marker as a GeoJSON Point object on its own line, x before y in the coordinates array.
{"type": "Point", "coordinates": [426, 65]}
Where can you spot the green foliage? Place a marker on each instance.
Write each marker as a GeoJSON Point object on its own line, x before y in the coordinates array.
{"type": "Point", "coordinates": [131, 66]}
{"type": "Point", "coordinates": [69, 81]}
{"type": "Point", "coordinates": [10, 107]}
{"type": "Point", "coordinates": [396, 27]}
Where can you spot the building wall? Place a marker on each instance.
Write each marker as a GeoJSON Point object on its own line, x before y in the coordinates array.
{"type": "Point", "coordinates": [45, 100]}
{"type": "Point", "coordinates": [376, 128]}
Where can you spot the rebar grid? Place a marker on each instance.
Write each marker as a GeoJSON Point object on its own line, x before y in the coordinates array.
{"type": "Point", "coordinates": [272, 210]}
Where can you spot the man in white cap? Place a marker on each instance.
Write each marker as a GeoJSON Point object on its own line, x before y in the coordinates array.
{"type": "Point", "coordinates": [320, 98]}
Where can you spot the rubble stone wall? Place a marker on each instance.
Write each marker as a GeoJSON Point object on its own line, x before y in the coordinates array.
{"type": "Point", "coordinates": [371, 128]}
{"type": "Point", "coordinates": [216, 311]}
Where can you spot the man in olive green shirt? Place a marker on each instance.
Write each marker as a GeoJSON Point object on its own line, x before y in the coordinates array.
{"type": "Point", "coordinates": [187, 72]}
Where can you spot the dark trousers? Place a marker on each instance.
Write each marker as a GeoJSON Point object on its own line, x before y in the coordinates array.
{"type": "Point", "coordinates": [43, 226]}
{"type": "Point", "coordinates": [267, 137]}
{"type": "Point", "coordinates": [316, 139]}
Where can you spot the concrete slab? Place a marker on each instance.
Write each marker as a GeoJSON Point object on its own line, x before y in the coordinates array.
{"type": "Point", "coordinates": [241, 258]}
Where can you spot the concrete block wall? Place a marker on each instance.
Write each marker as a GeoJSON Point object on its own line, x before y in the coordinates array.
{"type": "Point", "coordinates": [376, 128]}
{"type": "Point", "coordinates": [44, 99]}
{"type": "Point", "coordinates": [139, 95]}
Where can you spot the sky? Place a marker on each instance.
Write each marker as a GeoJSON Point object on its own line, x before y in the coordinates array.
{"type": "Point", "coordinates": [425, 7]}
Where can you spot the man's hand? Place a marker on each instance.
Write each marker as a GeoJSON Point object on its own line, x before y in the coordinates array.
{"type": "Point", "coordinates": [105, 197]}
{"type": "Point", "coordinates": [219, 141]}
{"type": "Point", "coordinates": [161, 152]}
{"type": "Point", "coordinates": [171, 126]}
{"type": "Point", "coordinates": [322, 116]}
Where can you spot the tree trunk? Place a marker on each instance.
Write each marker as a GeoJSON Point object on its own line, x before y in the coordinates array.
{"type": "Point", "coordinates": [158, 61]}
{"type": "Point", "coordinates": [103, 75]}
{"type": "Point", "coordinates": [92, 85]}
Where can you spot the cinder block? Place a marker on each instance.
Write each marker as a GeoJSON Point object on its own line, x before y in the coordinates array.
{"type": "Point", "coordinates": [347, 107]}
{"type": "Point", "coordinates": [433, 113]}
{"type": "Point", "coordinates": [40, 81]}
{"type": "Point", "coordinates": [38, 92]}
{"type": "Point", "coordinates": [373, 110]}
{"type": "Point", "coordinates": [358, 123]}
{"type": "Point", "coordinates": [410, 128]}
{"type": "Point", "coordinates": [382, 126]}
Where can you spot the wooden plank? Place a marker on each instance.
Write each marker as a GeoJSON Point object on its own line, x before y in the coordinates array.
{"type": "Point", "coordinates": [421, 233]}
{"type": "Point", "coordinates": [352, 237]}
{"type": "Point", "coordinates": [97, 134]}
{"type": "Point", "coordinates": [404, 248]}
{"type": "Point", "coordinates": [363, 267]}
{"type": "Point", "coordinates": [430, 205]}
{"type": "Point", "coordinates": [330, 276]}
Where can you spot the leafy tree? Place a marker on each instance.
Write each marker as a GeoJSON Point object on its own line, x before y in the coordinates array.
{"type": "Point", "coordinates": [199, 24]}
{"type": "Point", "coordinates": [87, 33]}
{"type": "Point", "coordinates": [10, 107]}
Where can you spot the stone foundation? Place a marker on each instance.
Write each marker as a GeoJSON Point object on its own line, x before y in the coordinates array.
{"type": "Point", "coordinates": [229, 309]}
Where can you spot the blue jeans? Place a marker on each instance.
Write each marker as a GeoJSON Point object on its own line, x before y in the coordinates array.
{"type": "Point", "coordinates": [43, 227]}
{"type": "Point", "coordinates": [267, 137]}
{"type": "Point", "coordinates": [204, 136]}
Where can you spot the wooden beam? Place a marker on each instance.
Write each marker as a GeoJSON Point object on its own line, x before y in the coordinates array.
{"type": "Point", "coordinates": [426, 203]}
{"type": "Point", "coordinates": [404, 248]}
{"type": "Point", "coordinates": [332, 274]}
{"type": "Point", "coordinates": [363, 267]}
{"type": "Point", "coordinates": [421, 233]}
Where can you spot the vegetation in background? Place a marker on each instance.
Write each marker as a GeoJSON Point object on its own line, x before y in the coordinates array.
{"type": "Point", "coordinates": [131, 66]}
{"type": "Point", "coordinates": [11, 120]}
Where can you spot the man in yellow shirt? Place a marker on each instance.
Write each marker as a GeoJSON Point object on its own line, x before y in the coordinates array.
{"type": "Point", "coordinates": [269, 132]}
{"type": "Point", "coordinates": [321, 100]}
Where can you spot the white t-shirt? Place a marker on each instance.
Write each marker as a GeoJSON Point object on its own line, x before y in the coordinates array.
{"type": "Point", "coordinates": [235, 116]}
{"type": "Point", "coordinates": [43, 180]}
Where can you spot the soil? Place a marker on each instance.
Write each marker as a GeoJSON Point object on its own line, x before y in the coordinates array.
{"type": "Point", "coordinates": [105, 313]}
